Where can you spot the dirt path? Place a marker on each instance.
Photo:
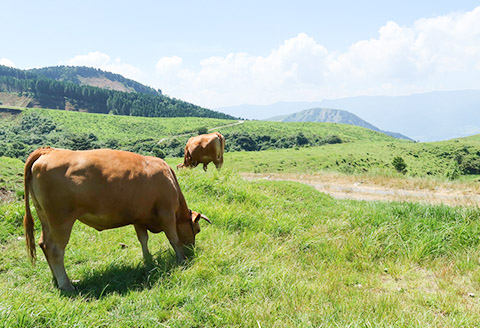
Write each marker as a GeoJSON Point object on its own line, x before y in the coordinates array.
{"type": "Point", "coordinates": [385, 189]}
{"type": "Point", "coordinates": [209, 130]}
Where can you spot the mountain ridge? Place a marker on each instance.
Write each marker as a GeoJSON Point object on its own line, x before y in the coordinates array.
{"type": "Point", "coordinates": [67, 90]}
{"type": "Point", "coordinates": [429, 116]}
{"type": "Point", "coordinates": [330, 115]}
{"type": "Point", "coordinates": [83, 75]}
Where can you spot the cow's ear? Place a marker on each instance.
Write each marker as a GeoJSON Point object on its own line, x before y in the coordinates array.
{"type": "Point", "coordinates": [196, 217]}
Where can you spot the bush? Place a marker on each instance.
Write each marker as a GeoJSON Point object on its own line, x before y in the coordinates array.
{"type": "Point", "coordinates": [82, 141]}
{"type": "Point", "coordinates": [470, 165]}
{"type": "Point", "coordinates": [203, 130]}
{"type": "Point", "coordinates": [399, 164]}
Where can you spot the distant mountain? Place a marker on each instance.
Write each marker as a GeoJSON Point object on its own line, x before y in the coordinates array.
{"type": "Point", "coordinates": [77, 89]}
{"type": "Point", "coordinates": [431, 116]}
{"type": "Point", "coordinates": [94, 77]}
{"type": "Point", "coordinates": [327, 115]}
{"type": "Point", "coordinates": [262, 112]}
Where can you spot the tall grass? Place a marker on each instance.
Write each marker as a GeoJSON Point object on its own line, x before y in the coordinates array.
{"type": "Point", "coordinates": [422, 160]}
{"type": "Point", "coordinates": [278, 254]}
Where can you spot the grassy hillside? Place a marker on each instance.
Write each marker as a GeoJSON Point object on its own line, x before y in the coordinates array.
{"type": "Point", "coordinates": [11, 177]}
{"type": "Point", "coordinates": [347, 133]}
{"type": "Point", "coordinates": [23, 131]}
{"type": "Point", "coordinates": [31, 88]}
{"type": "Point", "coordinates": [448, 159]}
{"type": "Point", "coordinates": [126, 128]}
{"type": "Point", "coordinates": [271, 146]}
{"type": "Point", "coordinates": [277, 254]}
{"type": "Point", "coordinates": [35, 127]}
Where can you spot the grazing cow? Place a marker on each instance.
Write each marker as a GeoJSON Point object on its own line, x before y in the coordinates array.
{"type": "Point", "coordinates": [204, 148]}
{"type": "Point", "coordinates": [104, 189]}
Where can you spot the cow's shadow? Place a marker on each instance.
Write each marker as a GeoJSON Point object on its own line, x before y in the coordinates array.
{"type": "Point", "coordinates": [122, 279]}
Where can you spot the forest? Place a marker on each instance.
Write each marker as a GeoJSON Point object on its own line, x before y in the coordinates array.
{"type": "Point", "coordinates": [50, 93]}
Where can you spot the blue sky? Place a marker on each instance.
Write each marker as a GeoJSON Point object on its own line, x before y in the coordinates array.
{"type": "Point", "coordinates": [222, 53]}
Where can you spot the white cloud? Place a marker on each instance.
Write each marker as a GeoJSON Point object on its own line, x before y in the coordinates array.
{"type": "Point", "coordinates": [168, 64]}
{"type": "Point", "coordinates": [6, 62]}
{"type": "Point", "coordinates": [434, 53]}
{"type": "Point", "coordinates": [104, 62]}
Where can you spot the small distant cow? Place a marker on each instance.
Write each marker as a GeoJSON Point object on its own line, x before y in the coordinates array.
{"type": "Point", "coordinates": [204, 148]}
{"type": "Point", "coordinates": [104, 189]}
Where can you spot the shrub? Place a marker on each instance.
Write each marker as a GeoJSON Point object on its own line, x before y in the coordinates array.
{"type": "Point", "coordinates": [81, 141]}
{"type": "Point", "coordinates": [203, 130]}
{"type": "Point", "coordinates": [470, 165]}
{"type": "Point", "coordinates": [399, 164]}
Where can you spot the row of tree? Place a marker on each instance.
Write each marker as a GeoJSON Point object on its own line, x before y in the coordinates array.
{"type": "Point", "coordinates": [50, 93]}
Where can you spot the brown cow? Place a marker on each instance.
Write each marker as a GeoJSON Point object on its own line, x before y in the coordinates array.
{"type": "Point", "coordinates": [104, 189]}
{"type": "Point", "coordinates": [204, 148]}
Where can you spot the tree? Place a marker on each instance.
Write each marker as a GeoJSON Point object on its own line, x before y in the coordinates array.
{"type": "Point", "coordinates": [82, 141]}
{"type": "Point", "coordinates": [399, 164]}
{"type": "Point", "coordinates": [203, 130]}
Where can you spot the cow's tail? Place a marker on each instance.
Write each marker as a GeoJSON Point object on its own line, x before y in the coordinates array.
{"type": "Point", "coordinates": [222, 144]}
{"type": "Point", "coordinates": [28, 223]}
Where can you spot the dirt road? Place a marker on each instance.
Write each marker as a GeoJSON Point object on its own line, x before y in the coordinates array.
{"type": "Point", "coordinates": [385, 189]}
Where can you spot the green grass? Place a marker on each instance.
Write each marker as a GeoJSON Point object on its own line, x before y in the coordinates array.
{"type": "Point", "coordinates": [423, 159]}
{"type": "Point", "coordinates": [11, 177]}
{"type": "Point", "coordinates": [361, 150]}
{"type": "Point", "coordinates": [347, 133]}
{"type": "Point", "coordinates": [11, 192]}
{"type": "Point", "coordinates": [278, 254]}
{"type": "Point", "coordinates": [126, 128]}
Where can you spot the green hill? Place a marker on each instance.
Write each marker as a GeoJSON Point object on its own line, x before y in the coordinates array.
{"type": "Point", "coordinates": [35, 88]}
{"type": "Point", "coordinates": [444, 160]}
{"type": "Point", "coordinates": [24, 130]}
{"type": "Point", "coordinates": [252, 146]}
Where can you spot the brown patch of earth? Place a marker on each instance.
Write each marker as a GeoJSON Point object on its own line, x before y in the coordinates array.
{"type": "Point", "coordinates": [104, 83]}
{"type": "Point", "coordinates": [6, 195]}
{"type": "Point", "coordinates": [383, 189]}
{"type": "Point", "coordinates": [12, 99]}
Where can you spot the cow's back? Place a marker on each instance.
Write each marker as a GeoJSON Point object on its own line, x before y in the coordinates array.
{"type": "Point", "coordinates": [204, 148]}
{"type": "Point", "coordinates": [104, 188]}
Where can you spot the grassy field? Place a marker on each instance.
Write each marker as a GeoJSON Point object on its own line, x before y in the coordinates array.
{"type": "Point", "coordinates": [436, 160]}
{"type": "Point", "coordinates": [347, 133]}
{"type": "Point", "coordinates": [124, 128]}
{"type": "Point", "coordinates": [120, 127]}
{"type": "Point", "coordinates": [361, 150]}
{"type": "Point", "coordinates": [278, 254]}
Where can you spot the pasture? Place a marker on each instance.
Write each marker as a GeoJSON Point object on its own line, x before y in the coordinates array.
{"type": "Point", "coordinates": [277, 254]}
{"type": "Point", "coordinates": [276, 146]}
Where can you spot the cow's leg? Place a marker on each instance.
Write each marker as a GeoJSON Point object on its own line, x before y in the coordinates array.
{"type": "Point", "coordinates": [172, 235]}
{"type": "Point", "coordinates": [45, 232]}
{"type": "Point", "coordinates": [53, 241]}
{"type": "Point", "coordinates": [218, 163]}
{"type": "Point", "coordinates": [41, 242]}
{"type": "Point", "coordinates": [205, 166]}
{"type": "Point", "coordinates": [142, 235]}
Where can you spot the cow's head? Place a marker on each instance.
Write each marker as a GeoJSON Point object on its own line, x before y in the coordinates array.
{"type": "Point", "coordinates": [188, 229]}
